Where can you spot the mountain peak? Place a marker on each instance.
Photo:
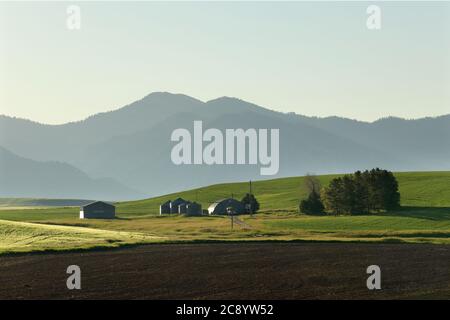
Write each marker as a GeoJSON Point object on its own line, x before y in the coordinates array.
{"type": "Point", "coordinates": [236, 105]}
{"type": "Point", "coordinates": [169, 96]}
{"type": "Point", "coordinates": [226, 99]}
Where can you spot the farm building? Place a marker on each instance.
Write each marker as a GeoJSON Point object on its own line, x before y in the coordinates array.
{"type": "Point", "coordinates": [194, 209]}
{"type": "Point", "coordinates": [182, 208]}
{"type": "Point", "coordinates": [220, 207]}
{"type": "Point", "coordinates": [165, 207]}
{"type": "Point", "coordinates": [175, 204]}
{"type": "Point", "coordinates": [98, 210]}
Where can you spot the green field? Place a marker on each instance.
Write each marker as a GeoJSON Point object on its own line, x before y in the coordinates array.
{"type": "Point", "coordinates": [38, 202]}
{"type": "Point", "coordinates": [24, 236]}
{"type": "Point", "coordinates": [424, 218]}
{"type": "Point", "coordinates": [418, 189]}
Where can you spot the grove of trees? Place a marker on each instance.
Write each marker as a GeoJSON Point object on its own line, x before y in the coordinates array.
{"type": "Point", "coordinates": [358, 193]}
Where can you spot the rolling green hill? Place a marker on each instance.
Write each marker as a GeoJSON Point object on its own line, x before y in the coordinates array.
{"type": "Point", "coordinates": [424, 189]}
{"type": "Point", "coordinates": [417, 189]}
{"type": "Point", "coordinates": [423, 218]}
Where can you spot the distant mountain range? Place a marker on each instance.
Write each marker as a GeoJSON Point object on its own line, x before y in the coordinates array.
{"type": "Point", "coordinates": [20, 177]}
{"type": "Point", "coordinates": [125, 154]}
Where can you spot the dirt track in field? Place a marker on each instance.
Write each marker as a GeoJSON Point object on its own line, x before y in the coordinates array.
{"type": "Point", "coordinates": [233, 271]}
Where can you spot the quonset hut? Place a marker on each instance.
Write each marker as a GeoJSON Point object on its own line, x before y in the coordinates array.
{"type": "Point", "coordinates": [98, 210]}
{"type": "Point", "coordinates": [220, 206]}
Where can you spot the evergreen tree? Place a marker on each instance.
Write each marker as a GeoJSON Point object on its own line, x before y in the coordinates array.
{"type": "Point", "coordinates": [250, 203]}
{"type": "Point", "coordinates": [313, 204]}
{"type": "Point", "coordinates": [361, 192]}
{"type": "Point", "coordinates": [390, 197]}
{"type": "Point", "coordinates": [333, 196]}
{"type": "Point", "coordinates": [348, 198]}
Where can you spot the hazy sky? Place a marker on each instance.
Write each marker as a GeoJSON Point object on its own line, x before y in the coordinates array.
{"type": "Point", "coordinates": [310, 58]}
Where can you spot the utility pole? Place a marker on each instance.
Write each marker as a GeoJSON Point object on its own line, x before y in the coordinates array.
{"type": "Point", "coordinates": [230, 213]}
{"type": "Point", "coordinates": [250, 200]}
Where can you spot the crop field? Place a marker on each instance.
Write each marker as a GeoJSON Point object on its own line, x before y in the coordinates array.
{"type": "Point", "coordinates": [241, 270]}
{"type": "Point", "coordinates": [411, 245]}
{"type": "Point", "coordinates": [423, 218]}
{"type": "Point", "coordinates": [24, 237]}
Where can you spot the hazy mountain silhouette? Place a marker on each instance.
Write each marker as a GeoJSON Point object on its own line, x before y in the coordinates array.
{"type": "Point", "coordinates": [27, 178]}
{"type": "Point", "coordinates": [132, 144]}
{"type": "Point", "coordinates": [64, 142]}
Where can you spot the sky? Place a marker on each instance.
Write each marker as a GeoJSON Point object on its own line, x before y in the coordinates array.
{"type": "Point", "coordinates": [316, 59]}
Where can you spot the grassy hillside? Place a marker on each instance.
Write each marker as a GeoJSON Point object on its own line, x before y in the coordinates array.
{"type": "Point", "coordinates": [25, 237]}
{"type": "Point", "coordinates": [418, 189]}
{"type": "Point", "coordinates": [424, 217]}
{"type": "Point", "coordinates": [430, 189]}
{"type": "Point", "coordinates": [33, 214]}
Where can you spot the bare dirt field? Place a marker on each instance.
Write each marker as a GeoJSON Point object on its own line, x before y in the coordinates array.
{"type": "Point", "coordinates": [233, 271]}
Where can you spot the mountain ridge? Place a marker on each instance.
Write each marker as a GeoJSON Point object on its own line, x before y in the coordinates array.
{"type": "Point", "coordinates": [231, 98]}
{"type": "Point", "coordinates": [132, 144]}
{"type": "Point", "coordinates": [54, 179]}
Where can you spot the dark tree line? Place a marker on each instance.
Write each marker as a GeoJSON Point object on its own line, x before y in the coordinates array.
{"type": "Point", "coordinates": [358, 193]}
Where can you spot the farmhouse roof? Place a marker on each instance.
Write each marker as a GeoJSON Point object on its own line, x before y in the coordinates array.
{"type": "Point", "coordinates": [94, 202]}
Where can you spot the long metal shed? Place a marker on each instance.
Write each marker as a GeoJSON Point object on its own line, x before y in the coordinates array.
{"type": "Point", "coordinates": [98, 210]}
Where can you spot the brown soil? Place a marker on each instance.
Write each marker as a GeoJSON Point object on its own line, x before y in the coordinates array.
{"type": "Point", "coordinates": [233, 271]}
